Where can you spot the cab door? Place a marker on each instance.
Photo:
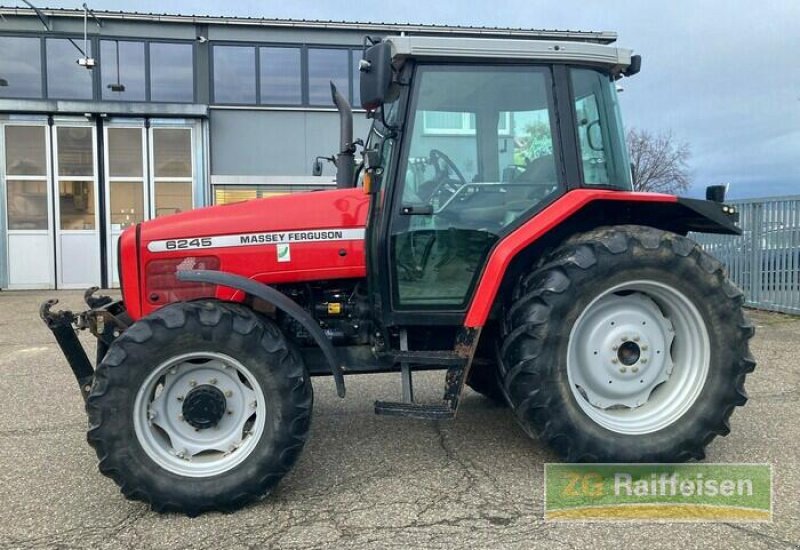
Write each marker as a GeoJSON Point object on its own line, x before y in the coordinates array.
{"type": "Point", "coordinates": [479, 157]}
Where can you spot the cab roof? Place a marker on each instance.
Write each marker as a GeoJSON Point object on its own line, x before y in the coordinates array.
{"type": "Point", "coordinates": [616, 60]}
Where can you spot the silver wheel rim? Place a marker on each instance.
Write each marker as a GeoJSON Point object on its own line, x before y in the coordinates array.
{"type": "Point", "coordinates": [638, 357]}
{"type": "Point", "coordinates": [177, 445]}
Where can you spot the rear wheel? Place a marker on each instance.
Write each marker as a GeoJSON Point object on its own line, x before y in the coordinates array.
{"type": "Point", "coordinates": [200, 406]}
{"type": "Point", "coordinates": [626, 344]}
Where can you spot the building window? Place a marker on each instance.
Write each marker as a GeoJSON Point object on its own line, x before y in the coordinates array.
{"type": "Point", "coordinates": [26, 177]}
{"type": "Point", "coordinates": [281, 76]}
{"type": "Point", "coordinates": [65, 78]}
{"type": "Point", "coordinates": [172, 167]}
{"type": "Point", "coordinates": [235, 74]}
{"type": "Point", "coordinates": [21, 67]}
{"type": "Point", "coordinates": [356, 58]}
{"type": "Point", "coordinates": [122, 69]}
{"type": "Point", "coordinates": [326, 65]}
{"type": "Point", "coordinates": [171, 72]}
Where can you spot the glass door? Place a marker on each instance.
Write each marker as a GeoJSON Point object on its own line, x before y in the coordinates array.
{"type": "Point", "coordinates": [125, 190]}
{"type": "Point", "coordinates": [172, 170]}
{"type": "Point", "coordinates": [76, 214]}
{"type": "Point", "coordinates": [27, 199]}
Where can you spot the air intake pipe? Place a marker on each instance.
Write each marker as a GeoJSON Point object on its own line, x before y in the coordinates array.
{"type": "Point", "coordinates": [346, 155]}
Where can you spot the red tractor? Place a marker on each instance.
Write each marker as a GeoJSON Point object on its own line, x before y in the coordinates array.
{"type": "Point", "coordinates": [487, 229]}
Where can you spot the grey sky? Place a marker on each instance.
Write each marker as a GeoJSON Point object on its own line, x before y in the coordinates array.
{"type": "Point", "coordinates": [723, 76]}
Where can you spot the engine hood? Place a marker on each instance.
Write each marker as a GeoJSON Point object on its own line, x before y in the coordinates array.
{"type": "Point", "coordinates": [341, 208]}
{"type": "Point", "coordinates": [295, 238]}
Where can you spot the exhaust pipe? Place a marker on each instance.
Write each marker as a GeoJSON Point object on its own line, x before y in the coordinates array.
{"type": "Point", "coordinates": [346, 155]}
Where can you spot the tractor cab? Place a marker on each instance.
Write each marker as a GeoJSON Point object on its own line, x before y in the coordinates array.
{"type": "Point", "coordinates": [472, 137]}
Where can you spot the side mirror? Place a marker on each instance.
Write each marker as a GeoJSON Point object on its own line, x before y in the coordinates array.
{"type": "Point", "coordinates": [316, 168]}
{"type": "Point", "coordinates": [376, 75]}
{"type": "Point", "coordinates": [716, 193]}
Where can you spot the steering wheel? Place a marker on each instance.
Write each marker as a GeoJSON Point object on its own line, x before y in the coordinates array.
{"type": "Point", "coordinates": [442, 165]}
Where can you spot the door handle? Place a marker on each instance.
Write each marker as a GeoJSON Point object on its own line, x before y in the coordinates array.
{"type": "Point", "coordinates": [418, 210]}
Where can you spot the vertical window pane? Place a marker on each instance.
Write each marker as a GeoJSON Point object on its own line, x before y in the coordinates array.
{"type": "Point", "coordinates": [75, 154]}
{"type": "Point", "coordinates": [125, 152]}
{"type": "Point", "coordinates": [124, 79]}
{"type": "Point", "coordinates": [324, 66]}
{"type": "Point", "coordinates": [234, 74]}
{"type": "Point", "coordinates": [21, 67]}
{"type": "Point", "coordinates": [172, 152]}
{"type": "Point", "coordinates": [27, 204]}
{"type": "Point", "coordinates": [65, 78]}
{"type": "Point", "coordinates": [25, 151]}
{"type": "Point", "coordinates": [356, 55]}
{"type": "Point", "coordinates": [280, 76]}
{"type": "Point", "coordinates": [127, 204]}
{"type": "Point", "coordinates": [171, 72]}
{"type": "Point", "coordinates": [600, 137]}
{"type": "Point", "coordinates": [76, 204]}
{"type": "Point", "coordinates": [173, 197]}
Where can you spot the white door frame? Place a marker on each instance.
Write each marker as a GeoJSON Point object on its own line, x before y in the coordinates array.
{"type": "Point", "coordinates": [193, 132]}
{"type": "Point", "coordinates": [111, 236]}
{"type": "Point", "coordinates": [9, 233]}
{"type": "Point", "coordinates": [75, 123]}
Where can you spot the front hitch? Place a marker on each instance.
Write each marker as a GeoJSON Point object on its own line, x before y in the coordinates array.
{"type": "Point", "coordinates": [106, 320]}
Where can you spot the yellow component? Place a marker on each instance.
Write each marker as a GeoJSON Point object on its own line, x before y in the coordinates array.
{"type": "Point", "coordinates": [334, 308]}
{"type": "Point", "coordinates": [367, 183]}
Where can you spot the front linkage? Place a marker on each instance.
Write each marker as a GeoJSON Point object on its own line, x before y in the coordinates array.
{"type": "Point", "coordinates": [106, 319]}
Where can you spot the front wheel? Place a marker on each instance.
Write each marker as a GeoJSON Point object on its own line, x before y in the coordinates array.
{"type": "Point", "coordinates": [200, 406]}
{"type": "Point", "coordinates": [626, 344]}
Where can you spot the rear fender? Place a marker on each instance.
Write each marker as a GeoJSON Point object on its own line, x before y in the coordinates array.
{"type": "Point", "coordinates": [582, 210]}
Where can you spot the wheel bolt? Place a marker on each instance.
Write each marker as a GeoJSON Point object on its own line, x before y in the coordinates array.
{"type": "Point", "coordinates": [635, 369]}
{"type": "Point", "coordinates": [623, 369]}
{"type": "Point", "coordinates": [213, 381]}
{"type": "Point", "coordinates": [192, 383]}
{"type": "Point", "coordinates": [179, 398]}
{"type": "Point", "coordinates": [180, 417]}
{"type": "Point", "coordinates": [614, 348]}
{"type": "Point", "coordinates": [635, 338]}
{"type": "Point", "coordinates": [229, 393]}
{"type": "Point", "coordinates": [644, 348]}
{"type": "Point", "coordinates": [644, 360]}
{"type": "Point", "coordinates": [254, 404]}
{"type": "Point", "coordinates": [624, 338]}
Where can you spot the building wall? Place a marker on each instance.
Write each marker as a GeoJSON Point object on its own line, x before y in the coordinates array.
{"type": "Point", "coordinates": [275, 143]}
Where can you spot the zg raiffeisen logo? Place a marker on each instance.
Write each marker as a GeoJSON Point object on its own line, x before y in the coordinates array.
{"type": "Point", "coordinates": [668, 492]}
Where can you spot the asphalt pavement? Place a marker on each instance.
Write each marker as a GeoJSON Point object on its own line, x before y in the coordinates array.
{"type": "Point", "coordinates": [363, 480]}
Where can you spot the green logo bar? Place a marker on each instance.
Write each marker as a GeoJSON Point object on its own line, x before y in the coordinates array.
{"type": "Point", "coordinates": [674, 492]}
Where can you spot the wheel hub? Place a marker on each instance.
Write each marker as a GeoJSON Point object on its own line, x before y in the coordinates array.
{"type": "Point", "coordinates": [204, 406]}
{"type": "Point", "coordinates": [624, 351]}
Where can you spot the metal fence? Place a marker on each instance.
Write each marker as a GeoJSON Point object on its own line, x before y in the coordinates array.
{"type": "Point", "coordinates": [765, 260]}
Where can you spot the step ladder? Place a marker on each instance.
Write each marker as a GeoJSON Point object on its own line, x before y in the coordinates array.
{"type": "Point", "coordinates": [456, 369]}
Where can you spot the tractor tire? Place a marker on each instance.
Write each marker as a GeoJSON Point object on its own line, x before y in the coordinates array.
{"type": "Point", "coordinates": [483, 379]}
{"type": "Point", "coordinates": [626, 344]}
{"type": "Point", "coordinates": [200, 406]}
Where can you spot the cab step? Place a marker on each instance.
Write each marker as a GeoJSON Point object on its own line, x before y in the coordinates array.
{"type": "Point", "coordinates": [414, 410]}
{"type": "Point", "coordinates": [443, 358]}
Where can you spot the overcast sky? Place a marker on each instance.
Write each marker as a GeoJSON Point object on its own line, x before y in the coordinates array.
{"type": "Point", "coordinates": [723, 76]}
